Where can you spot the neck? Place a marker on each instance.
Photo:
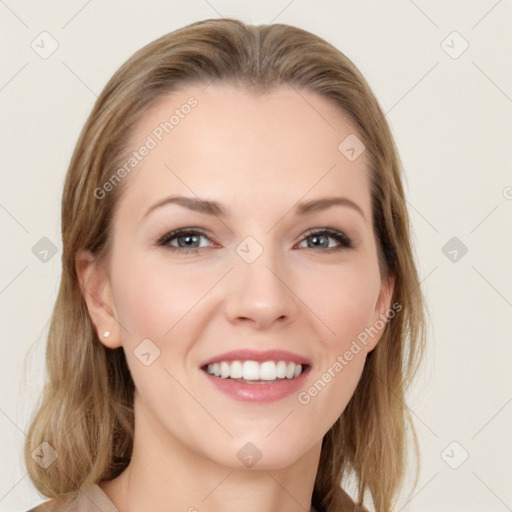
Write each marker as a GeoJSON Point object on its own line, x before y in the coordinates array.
{"type": "Point", "coordinates": [166, 475]}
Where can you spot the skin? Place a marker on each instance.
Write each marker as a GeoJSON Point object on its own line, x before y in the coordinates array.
{"type": "Point", "coordinates": [258, 156]}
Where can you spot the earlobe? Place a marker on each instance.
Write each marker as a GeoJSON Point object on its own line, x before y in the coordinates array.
{"type": "Point", "coordinates": [97, 293]}
{"type": "Point", "coordinates": [386, 294]}
{"type": "Point", "coordinates": [382, 310]}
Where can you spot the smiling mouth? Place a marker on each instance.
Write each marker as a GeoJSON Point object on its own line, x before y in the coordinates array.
{"type": "Point", "coordinates": [253, 372]}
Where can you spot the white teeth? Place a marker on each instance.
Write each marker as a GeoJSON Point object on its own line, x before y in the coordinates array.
{"type": "Point", "coordinates": [281, 370]}
{"type": "Point", "coordinates": [252, 370]}
{"type": "Point", "coordinates": [290, 371]}
{"type": "Point", "coordinates": [224, 370]}
{"type": "Point", "coordinates": [236, 370]}
{"type": "Point", "coordinates": [268, 371]}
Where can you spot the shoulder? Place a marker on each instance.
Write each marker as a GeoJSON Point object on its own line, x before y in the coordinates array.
{"type": "Point", "coordinates": [81, 501]}
{"type": "Point", "coordinates": [55, 506]}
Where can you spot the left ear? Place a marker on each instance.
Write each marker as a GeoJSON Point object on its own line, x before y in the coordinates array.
{"type": "Point", "coordinates": [382, 308]}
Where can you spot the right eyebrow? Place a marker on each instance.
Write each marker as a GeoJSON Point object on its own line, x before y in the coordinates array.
{"type": "Point", "coordinates": [192, 203]}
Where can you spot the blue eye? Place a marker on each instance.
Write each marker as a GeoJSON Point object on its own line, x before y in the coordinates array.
{"type": "Point", "coordinates": [326, 233]}
{"type": "Point", "coordinates": [187, 239]}
{"type": "Point", "coordinates": [186, 235]}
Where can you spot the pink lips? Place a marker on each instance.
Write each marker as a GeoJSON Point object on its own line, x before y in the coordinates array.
{"type": "Point", "coordinates": [258, 356]}
{"type": "Point", "coordinates": [258, 391]}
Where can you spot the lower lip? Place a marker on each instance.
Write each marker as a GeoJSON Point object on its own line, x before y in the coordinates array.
{"type": "Point", "coordinates": [258, 392]}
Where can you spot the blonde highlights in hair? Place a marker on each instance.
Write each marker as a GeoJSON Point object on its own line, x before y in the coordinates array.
{"type": "Point", "coordinates": [86, 410]}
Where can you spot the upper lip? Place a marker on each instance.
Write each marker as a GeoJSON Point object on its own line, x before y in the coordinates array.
{"type": "Point", "coordinates": [258, 355]}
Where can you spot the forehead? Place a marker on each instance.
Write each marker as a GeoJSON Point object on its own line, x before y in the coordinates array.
{"type": "Point", "coordinates": [227, 143]}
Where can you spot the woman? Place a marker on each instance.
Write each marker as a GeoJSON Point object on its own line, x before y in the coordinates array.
{"type": "Point", "coordinates": [239, 312]}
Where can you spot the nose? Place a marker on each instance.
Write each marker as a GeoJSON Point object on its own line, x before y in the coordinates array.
{"type": "Point", "coordinates": [261, 293]}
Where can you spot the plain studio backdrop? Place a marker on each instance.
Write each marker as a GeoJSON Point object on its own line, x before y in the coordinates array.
{"type": "Point", "coordinates": [443, 75]}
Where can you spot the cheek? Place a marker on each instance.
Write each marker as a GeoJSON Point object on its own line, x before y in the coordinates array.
{"type": "Point", "coordinates": [152, 297]}
{"type": "Point", "coordinates": [343, 298]}
{"type": "Point", "coordinates": [154, 305]}
{"type": "Point", "coordinates": [330, 390]}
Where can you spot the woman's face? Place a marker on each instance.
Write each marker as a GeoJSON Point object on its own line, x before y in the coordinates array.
{"type": "Point", "coordinates": [256, 277]}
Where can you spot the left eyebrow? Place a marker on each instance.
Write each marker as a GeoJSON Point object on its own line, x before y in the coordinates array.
{"type": "Point", "coordinates": [308, 207]}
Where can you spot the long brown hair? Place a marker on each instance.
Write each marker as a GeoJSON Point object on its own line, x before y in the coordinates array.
{"type": "Point", "coordinates": [86, 411]}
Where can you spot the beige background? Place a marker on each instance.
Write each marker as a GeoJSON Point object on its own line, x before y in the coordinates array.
{"type": "Point", "coordinates": [451, 116]}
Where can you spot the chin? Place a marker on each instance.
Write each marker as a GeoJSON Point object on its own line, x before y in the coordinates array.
{"type": "Point", "coordinates": [258, 453]}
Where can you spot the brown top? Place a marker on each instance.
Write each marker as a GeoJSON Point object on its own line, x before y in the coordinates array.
{"type": "Point", "coordinates": [92, 499]}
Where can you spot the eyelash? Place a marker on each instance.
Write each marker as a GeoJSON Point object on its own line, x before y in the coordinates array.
{"type": "Point", "coordinates": [344, 241]}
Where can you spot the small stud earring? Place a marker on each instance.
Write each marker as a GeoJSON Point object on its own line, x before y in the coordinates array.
{"type": "Point", "coordinates": [106, 334]}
